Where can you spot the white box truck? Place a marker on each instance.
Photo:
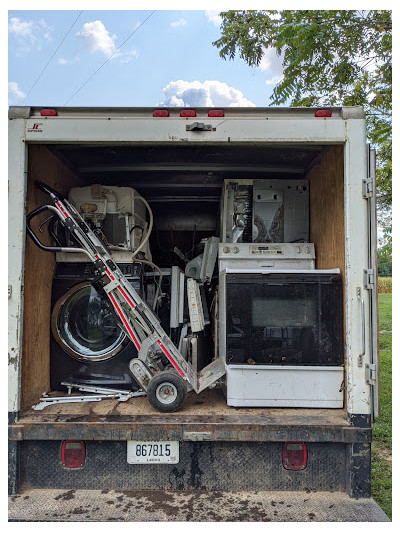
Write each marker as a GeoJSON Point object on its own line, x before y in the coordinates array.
{"type": "Point", "coordinates": [290, 307]}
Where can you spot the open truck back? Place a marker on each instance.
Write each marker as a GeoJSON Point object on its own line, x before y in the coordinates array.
{"type": "Point", "coordinates": [261, 181]}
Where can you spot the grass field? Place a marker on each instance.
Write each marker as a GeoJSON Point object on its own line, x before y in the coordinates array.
{"type": "Point", "coordinates": [382, 428]}
{"type": "Point", "coordinates": [384, 285]}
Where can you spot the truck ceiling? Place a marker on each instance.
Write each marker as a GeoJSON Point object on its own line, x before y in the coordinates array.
{"type": "Point", "coordinates": [151, 168]}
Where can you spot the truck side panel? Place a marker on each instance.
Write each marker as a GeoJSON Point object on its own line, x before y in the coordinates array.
{"type": "Point", "coordinates": [17, 160]}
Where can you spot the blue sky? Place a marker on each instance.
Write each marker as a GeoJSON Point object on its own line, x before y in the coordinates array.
{"type": "Point", "coordinates": [169, 60]}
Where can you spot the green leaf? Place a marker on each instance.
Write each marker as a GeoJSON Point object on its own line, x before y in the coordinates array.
{"type": "Point", "coordinates": [329, 57]}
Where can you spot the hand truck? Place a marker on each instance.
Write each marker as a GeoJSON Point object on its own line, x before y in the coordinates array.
{"type": "Point", "coordinates": [159, 368]}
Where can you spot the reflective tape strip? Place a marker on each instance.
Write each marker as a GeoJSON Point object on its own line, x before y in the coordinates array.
{"type": "Point", "coordinates": [110, 275]}
{"type": "Point", "coordinates": [60, 207]}
{"type": "Point", "coordinates": [124, 320]}
{"type": "Point", "coordinates": [170, 359]}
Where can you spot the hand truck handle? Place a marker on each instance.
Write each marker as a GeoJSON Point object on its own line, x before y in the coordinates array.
{"type": "Point", "coordinates": [42, 246]}
{"type": "Point", "coordinates": [47, 189]}
{"type": "Point", "coordinates": [31, 233]}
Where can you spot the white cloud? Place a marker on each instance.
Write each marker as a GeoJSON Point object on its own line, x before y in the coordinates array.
{"type": "Point", "coordinates": [29, 34]}
{"type": "Point", "coordinates": [213, 16]}
{"type": "Point", "coordinates": [126, 57]}
{"type": "Point", "coordinates": [45, 26]}
{"type": "Point", "coordinates": [63, 61]}
{"type": "Point", "coordinates": [14, 91]}
{"type": "Point", "coordinates": [274, 80]}
{"type": "Point", "coordinates": [271, 62]}
{"type": "Point", "coordinates": [21, 28]}
{"type": "Point", "coordinates": [178, 23]}
{"type": "Point", "coordinates": [208, 94]}
{"type": "Point", "coordinates": [97, 38]}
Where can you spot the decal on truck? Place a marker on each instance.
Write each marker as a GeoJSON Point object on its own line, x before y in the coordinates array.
{"type": "Point", "coordinates": [36, 127]}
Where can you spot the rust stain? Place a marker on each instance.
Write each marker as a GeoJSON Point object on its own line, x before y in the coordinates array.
{"type": "Point", "coordinates": [13, 361]}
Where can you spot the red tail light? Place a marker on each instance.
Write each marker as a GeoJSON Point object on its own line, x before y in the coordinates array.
{"type": "Point", "coordinates": [188, 113]}
{"type": "Point", "coordinates": [294, 455]}
{"type": "Point", "coordinates": [48, 113]}
{"type": "Point", "coordinates": [160, 113]}
{"type": "Point", "coordinates": [216, 113]}
{"type": "Point", "coordinates": [73, 453]}
{"type": "Point", "coordinates": [323, 113]}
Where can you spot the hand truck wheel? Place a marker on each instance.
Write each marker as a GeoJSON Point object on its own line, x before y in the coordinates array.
{"type": "Point", "coordinates": [166, 391]}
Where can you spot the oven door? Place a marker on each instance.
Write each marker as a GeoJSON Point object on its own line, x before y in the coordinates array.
{"type": "Point", "coordinates": [283, 318]}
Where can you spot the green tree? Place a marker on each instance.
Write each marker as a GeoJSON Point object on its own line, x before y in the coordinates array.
{"type": "Point", "coordinates": [329, 58]}
{"type": "Point", "coordinates": [384, 263]}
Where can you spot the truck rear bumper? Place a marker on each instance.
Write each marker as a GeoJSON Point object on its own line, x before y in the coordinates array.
{"type": "Point", "coordinates": [186, 506]}
{"type": "Point", "coordinates": [222, 448]}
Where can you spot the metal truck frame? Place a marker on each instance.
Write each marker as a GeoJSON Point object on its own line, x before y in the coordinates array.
{"type": "Point", "coordinates": [279, 126]}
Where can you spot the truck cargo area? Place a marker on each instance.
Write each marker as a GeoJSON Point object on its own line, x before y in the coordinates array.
{"type": "Point", "coordinates": [183, 185]}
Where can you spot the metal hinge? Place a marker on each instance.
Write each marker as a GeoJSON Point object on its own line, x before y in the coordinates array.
{"type": "Point", "coordinates": [370, 373]}
{"type": "Point", "coordinates": [9, 291]}
{"type": "Point", "coordinates": [369, 278]}
{"type": "Point", "coordinates": [367, 187]}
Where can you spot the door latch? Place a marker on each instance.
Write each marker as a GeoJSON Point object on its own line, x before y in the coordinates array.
{"type": "Point", "coordinates": [369, 278]}
{"type": "Point", "coordinates": [198, 126]}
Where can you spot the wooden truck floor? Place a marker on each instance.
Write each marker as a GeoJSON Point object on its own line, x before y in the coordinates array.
{"type": "Point", "coordinates": [203, 417]}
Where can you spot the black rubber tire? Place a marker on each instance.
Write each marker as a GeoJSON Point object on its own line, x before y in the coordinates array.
{"type": "Point", "coordinates": [179, 391]}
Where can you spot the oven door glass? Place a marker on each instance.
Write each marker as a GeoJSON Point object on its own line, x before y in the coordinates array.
{"type": "Point", "coordinates": [284, 319]}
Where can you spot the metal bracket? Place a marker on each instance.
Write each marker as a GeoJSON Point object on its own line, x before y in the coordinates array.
{"type": "Point", "coordinates": [99, 266]}
{"type": "Point", "coordinates": [111, 286]}
{"type": "Point", "coordinates": [367, 188]}
{"type": "Point", "coordinates": [100, 393]}
{"type": "Point", "coordinates": [198, 126]}
{"type": "Point", "coordinates": [140, 372]}
{"type": "Point", "coordinates": [369, 278]}
{"type": "Point", "coordinates": [146, 347]}
{"type": "Point", "coordinates": [9, 291]}
{"type": "Point", "coordinates": [370, 373]}
{"type": "Point", "coordinates": [45, 401]}
{"type": "Point", "coordinates": [121, 395]}
{"type": "Point", "coordinates": [196, 435]}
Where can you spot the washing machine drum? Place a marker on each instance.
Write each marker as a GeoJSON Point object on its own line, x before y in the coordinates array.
{"type": "Point", "coordinates": [84, 324]}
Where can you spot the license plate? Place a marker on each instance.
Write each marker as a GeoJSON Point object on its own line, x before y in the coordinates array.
{"type": "Point", "coordinates": [139, 452]}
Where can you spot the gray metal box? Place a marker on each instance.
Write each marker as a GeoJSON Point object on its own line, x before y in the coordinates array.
{"type": "Point", "coordinates": [265, 210]}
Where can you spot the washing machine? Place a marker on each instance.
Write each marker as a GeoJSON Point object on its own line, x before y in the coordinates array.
{"type": "Point", "coordinates": [87, 346]}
